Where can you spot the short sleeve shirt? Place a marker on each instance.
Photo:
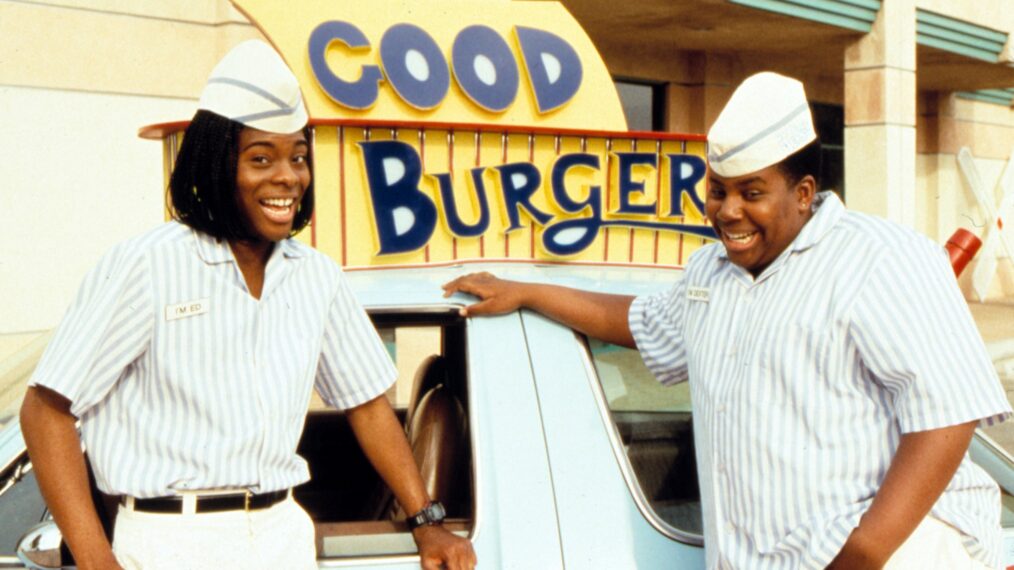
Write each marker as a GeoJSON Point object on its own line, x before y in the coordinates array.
{"type": "Point", "coordinates": [183, 380]}
{"type": "Point", "coordinates": [804, 379]}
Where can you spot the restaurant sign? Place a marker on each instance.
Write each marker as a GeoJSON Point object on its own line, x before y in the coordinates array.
{"type": "Point", "coordinates": [448, 131]}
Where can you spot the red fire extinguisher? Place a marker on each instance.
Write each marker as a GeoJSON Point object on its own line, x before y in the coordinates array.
{"type": "Point", "coordinates": [962, 247]}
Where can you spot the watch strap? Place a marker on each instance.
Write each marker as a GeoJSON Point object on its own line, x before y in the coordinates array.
{"type": "Point", "coordinates": [432, 513]}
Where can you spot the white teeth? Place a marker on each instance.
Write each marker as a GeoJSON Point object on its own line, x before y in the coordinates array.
{"type": "Point", "coordinates": [278, 202]}
{"type": "Point", "coordinates": [740, 238]}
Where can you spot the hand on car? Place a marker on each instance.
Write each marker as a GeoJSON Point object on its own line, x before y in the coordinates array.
{"type": "Point", "coordinates": [496, 296]}
{"type": "Point", "coordinates": [439, 548]}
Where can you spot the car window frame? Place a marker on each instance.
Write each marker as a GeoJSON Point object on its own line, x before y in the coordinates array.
{"type": "Point", "coordinates": [430, 311]}
{"type": "Point", "coordinates": [622, 461]}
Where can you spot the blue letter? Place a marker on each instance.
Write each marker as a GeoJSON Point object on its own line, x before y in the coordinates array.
{"type": "Point", "coordinates": [553, 67]}
{"type": "Point", "coordinates": [518, 181]}
{"type": "Point", "coordinates": [685, 171]}
{"type": "Point", "coordinates": [627, 161]}
{"type": "Point", "coordinates": [560, 168]}
{"type": "Point", "coordinates": [359, 95]}
{"type": "Point", "coordinates": [485, 68]}
{"type": "Point", "coordinates": [414, 66]}
{"type": "Point", "coordinates": [454, 223]}
{"type": "Point", "coordinates": [569, 237]}
{"type": "Point", "coordinates": [404, 216]}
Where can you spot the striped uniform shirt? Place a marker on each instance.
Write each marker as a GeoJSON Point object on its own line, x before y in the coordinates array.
{"type": "Point", "coordinates": [183, 380]}
{"type": "Point", "coordinates": [804, 379]}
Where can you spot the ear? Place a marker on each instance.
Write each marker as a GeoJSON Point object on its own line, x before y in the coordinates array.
{"type": "Point", "coordinates": [805, 190]}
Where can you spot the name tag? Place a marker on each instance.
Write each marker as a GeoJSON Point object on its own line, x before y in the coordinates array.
{"type": "Point", "coordinates": [701, 294]}
{"type": "Point", "coordinates": [187, 309]}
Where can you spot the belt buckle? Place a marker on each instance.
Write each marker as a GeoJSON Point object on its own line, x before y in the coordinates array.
{"type": "Point", "coordinates": [246, 500]}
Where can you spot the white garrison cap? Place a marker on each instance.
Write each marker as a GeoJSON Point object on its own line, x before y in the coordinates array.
{"type": "Point", "coordinates": [766, 120]}
{"type": "Point", "coordinates": [253, 86]}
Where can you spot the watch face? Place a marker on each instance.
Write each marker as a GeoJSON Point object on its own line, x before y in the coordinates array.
{"type": "Point", "coordinates": [435, 512]}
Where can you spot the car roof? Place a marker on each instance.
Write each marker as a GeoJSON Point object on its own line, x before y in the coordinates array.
{"type": "Point", "coordinates": [422, 285]}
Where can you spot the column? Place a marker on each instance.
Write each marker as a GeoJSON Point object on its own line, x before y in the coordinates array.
{"type": "Point", "coordinates": [694, 100]}
{"type": "Point", "coordinates": [880, 108]}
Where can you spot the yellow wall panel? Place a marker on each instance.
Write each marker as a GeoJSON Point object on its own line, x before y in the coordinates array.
{"type": "Point", "coordinates": [436, 157]}
{"type": "Point", "coordinates": [325, 233]}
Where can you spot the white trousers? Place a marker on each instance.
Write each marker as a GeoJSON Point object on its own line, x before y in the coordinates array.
{"type": "Point", "coordinates": [933, 545]}
{"type": "Point", "coordinates": [279, 537]}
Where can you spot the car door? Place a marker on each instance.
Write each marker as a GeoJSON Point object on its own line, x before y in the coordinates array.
{"type": "Point", "coordinates": [517, 514]}
{"type": "Point", "coordinates": [606, 521]}
{"type": "Point", "coordinates": [511, 519]}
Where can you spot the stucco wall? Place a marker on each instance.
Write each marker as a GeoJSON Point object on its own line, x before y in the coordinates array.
{"type": "Point", "coordinates": [76, 180]}
{"type": "Point", "coordinates": [77, 80]}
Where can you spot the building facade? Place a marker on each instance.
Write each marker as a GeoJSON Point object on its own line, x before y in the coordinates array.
{"type": "Point", "coordinates": [898, 87]}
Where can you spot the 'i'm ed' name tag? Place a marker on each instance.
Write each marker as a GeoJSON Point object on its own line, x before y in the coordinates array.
{"type": "Point", "coordinates": [701, 294]}
{"type": "Point", "coordinates": [186, 309]}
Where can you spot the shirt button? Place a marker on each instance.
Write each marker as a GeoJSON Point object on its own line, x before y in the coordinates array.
{"type": "Point", "coordinates": [720, 467]}
{"type": "Point", "coordinates": [721, 409]}
{"type": "Point", "coordinates": [729, 527]}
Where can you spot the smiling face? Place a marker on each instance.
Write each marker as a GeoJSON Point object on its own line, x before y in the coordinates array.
{"type": "Point", "coordinates": [272, 173]}
{"type": "Point", "coordinates": [757, 215]}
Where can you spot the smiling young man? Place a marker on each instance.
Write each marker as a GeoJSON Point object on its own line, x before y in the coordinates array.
{"type": "Point", "coordinates": [836, 374]}
{"type": "Point", "coordinates": [191, 353]}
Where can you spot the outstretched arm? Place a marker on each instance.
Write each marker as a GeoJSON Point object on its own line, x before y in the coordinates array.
{"type": "Point", "coordinates": [920, 471]}
{"type": "Point", "coordinates": [59, 464]}
{"type": "Point", "coordinates": [598, 315]}
{"type": "Point", "coordinates": [383, 441]}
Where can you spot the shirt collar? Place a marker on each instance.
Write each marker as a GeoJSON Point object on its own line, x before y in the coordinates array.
{"type": "Point", "coordinates": [827, 210]}
{"type": "Point", "coordinates": [290, 248]}
{"type": "Point", "coordinates": [213, 250]}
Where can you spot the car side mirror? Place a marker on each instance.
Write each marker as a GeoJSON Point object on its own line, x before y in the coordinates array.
{"type": "Point", "coordinates": [39, 548]}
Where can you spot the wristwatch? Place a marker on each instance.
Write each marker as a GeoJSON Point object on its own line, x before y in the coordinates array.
{"type": "Point", "coordinates": [432, 513]}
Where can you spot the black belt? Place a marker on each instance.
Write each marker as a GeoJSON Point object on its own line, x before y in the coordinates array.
{"type": "Point", "coordinates": [211, 503]}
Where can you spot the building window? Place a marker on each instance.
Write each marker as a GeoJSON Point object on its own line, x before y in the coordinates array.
{"type": "Point", "coordinates": [829, 120]}
{"type": "Point", "coordinates": [643, 104]}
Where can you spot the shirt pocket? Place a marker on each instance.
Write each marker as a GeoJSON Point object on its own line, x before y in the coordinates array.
{"type": "Point", "coordinates": [194, 351]}
{"type": "Point", "coordinates": [789, 366]}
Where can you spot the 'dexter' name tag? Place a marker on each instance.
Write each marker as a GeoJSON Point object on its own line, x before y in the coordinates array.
{"type": "Point", "coordinates": [186, 309]}
{"type": "Point", "coordinates": [701, 294]}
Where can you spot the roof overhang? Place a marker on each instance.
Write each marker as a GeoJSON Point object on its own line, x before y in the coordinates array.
{"type": "Point", "coordinates": [763, 38]}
